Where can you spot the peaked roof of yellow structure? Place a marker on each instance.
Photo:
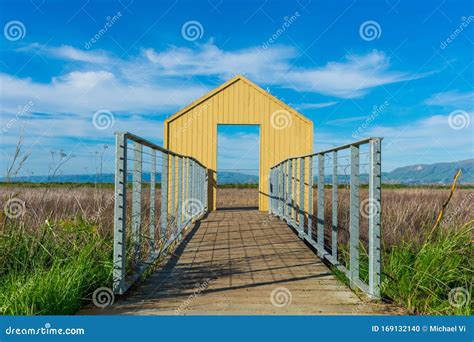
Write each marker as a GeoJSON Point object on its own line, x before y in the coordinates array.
{"type": "Point", "coordinates": [227, 84]}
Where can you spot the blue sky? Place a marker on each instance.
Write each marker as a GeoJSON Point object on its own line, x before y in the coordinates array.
{"type": "Point", "coordinates": [398, 69]}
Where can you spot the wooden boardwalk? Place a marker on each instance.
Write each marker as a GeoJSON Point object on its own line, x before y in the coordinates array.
{"type": "Point", "coordinates": [242, 262]}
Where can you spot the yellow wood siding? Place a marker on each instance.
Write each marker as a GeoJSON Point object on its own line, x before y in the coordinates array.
{"type": "Point", "coordinates": [193, 130]}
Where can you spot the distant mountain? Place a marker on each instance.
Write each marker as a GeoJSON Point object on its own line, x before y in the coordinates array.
{"type": "Point", "coordinates": [439, 173]}
{"type": "Point", "coordinates": [432, 173]}
{"type": "Point", "coordinates": [88, 178]}
{"type": "Point", "coordinates": [223, 178]}
{"type": "Point", "coordinates": [236, 178]}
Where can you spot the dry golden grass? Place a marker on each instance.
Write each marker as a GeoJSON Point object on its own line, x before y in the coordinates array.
{"type": "Point", "coordinates": [411, 260]}
{"type": "Point", "coordinates": [407, 213]}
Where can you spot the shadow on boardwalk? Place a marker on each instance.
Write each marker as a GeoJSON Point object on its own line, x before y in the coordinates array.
{"type": "Point", "coordinates": [242, 262]}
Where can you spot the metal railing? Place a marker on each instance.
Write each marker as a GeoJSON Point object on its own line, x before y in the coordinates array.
{"type": "Point", "coordinates": [154, 222]}
{"type": "Point", "coordinates": [291, 199]}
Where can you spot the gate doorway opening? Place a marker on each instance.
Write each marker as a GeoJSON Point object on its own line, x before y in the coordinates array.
{"type": "Point", "coordinates": [283, 131]}
{"type": "Point", "coordinates": [238, 166]}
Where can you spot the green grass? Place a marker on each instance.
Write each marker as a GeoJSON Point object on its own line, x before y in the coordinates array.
{"type": "Point", "coordinates": [420, 277]}
{"type": "Point", "coordinates": [52, 270]}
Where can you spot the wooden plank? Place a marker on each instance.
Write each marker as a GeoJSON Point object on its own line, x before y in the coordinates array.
{"type": "Point", "coordinates": [232, 262]}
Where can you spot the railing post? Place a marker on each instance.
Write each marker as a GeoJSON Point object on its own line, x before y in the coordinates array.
{"type": "Point", "coordinates": [270, 192]}
{"type": "Point", "coordinates": [120, 205]}
{"type": "Point", "coordinates": [190, 189]}
{"type": "Point", "coordinates": [310, 197]}
{"type": "Point", "coordinates": [179, 216]}
{"type": "Point", "coordinates": [136, 201]}
{"type": "Point", "coordinates": [320, 216]}
{"type": "Point", "coordinates": [206, 191]}
{"type": "Point", "coordinates": [151, 242]}
{"type": "Point", "coordinates": [354, 215]}
{"type": "Point", "coordinates": [172, 187]}
{"type": "Point", "coordinates": [290, 192]}
{"type": "Point", "coordinates": [375, 209]}
{"type": "Point", "coordinates": [201, 190]}
{"type": "Point", "coordinates": [164, 197]}
{"type": "Point", "coordinates": [334, 208]}
{"type": "Point", "coordinates": [294, 200]}
{"type": "Point", "coordinates": [185, 189]}
{"type": "Point", "coordinates": [283, 190]}
{"type": "Point", "coordinates": [280, 191]}
{"type": "Point", "coordinates": [274, 191]}
{"type": "Point", "coordinates": [193, 190]}
{"type": "Point", "coordinates": [196, 188]}
{"type": "Point", "coordinates": [277, 191]}
{"type": "Point", "coordinates": [301, 204]}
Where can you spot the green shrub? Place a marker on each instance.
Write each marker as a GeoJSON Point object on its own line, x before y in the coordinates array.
{"type": "Point", "coordinates": [423, 278]}
{"type": "Point", "coordinates": [52, 270]}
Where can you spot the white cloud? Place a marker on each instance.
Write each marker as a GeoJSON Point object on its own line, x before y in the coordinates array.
{"type": "Point", "coordinates": [238, 151]}
{"type": "Point", "coordinates": [426, 141]}
{"type": "Point", "coordinates": [454, 98]}
{"type": "Point", "coordinates": [158, 81]}
{"type": "Point", "coordinates": [353, 77]}
{"type": "Point", "coordinates": [69, 53]}
{"type": "Point", "coordinates": [84, 92]}
{"type": "Point", "coordinates": [316, 105]}
{"type": "Point", "coordinates": [346, 120]}
{"type": "Point", "coordinates": [209, 60]}
{"type": "Point", "coordinates": [154, 82]}
{"type": "Point", "coordinates": [155, 79]}
{"type": "Point", "coordinates": [429, 140]}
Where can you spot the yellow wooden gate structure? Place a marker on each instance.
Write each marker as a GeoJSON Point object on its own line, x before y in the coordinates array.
{"type": "Point", "coordinates": [283, 131]}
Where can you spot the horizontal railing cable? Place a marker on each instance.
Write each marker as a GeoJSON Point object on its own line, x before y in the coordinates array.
{"type": "Point", "coordinates": [147, 224]}
{"type": "Point", "coordinates": [294, 181]}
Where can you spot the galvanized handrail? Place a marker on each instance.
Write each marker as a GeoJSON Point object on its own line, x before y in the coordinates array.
{"type": "Point", "coordinates": [183, 200]}
{"type": "Point", "coordinates": [286, 184]}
